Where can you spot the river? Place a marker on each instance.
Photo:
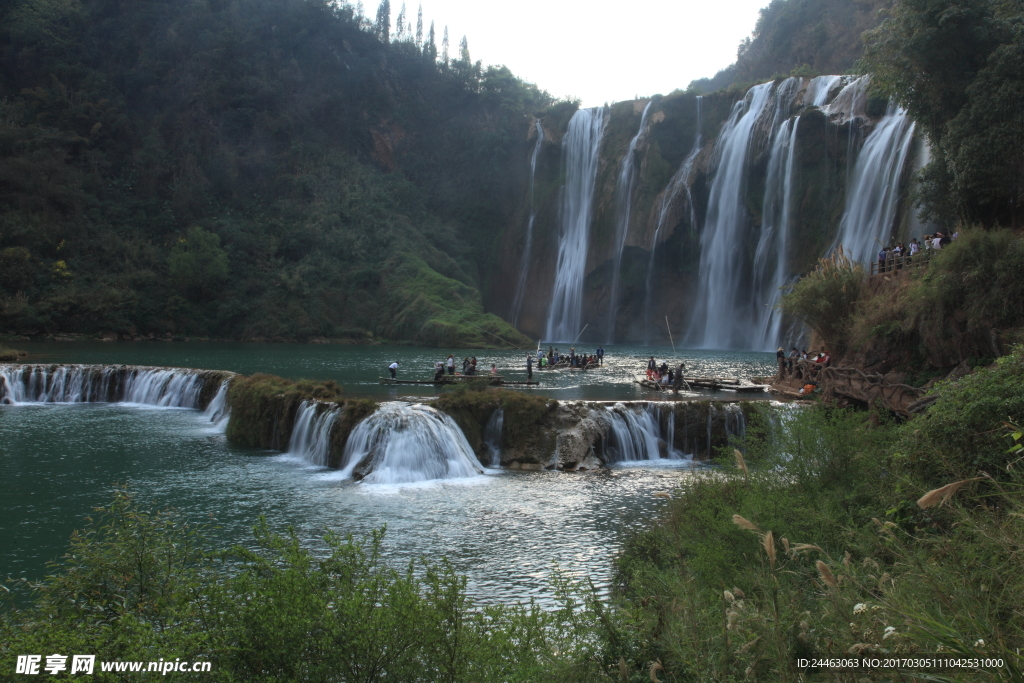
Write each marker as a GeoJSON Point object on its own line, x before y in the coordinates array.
{"type": "Point", "coordinates": [507, 531]}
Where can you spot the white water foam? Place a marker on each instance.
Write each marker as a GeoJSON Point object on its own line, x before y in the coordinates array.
{"type": "Point", "coordinates": [409, 444]}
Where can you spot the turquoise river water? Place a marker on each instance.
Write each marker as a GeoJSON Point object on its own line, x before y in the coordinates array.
{"type": "Point", "coordinates": [506, 530]}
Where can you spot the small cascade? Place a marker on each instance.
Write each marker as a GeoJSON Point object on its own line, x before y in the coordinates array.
{"type": "Point", "coordinates": [165, 387]}
{"type": "Point", "coordinates": [681, 181]}
{"type": "Point", "coordinates": [819, 89]}
{"type": "Point", "coordinates": [715, 323]}
{"type": "Point", "coordinates": [407, 444]}
{"type": "Point", "coordinates": [524, 267]}
{"type": "Point", "coordinates": [624, 187]}
{"type": "Point", "coordinates": [218, 411]}
{"type": "Point", "coordinates": [873, 192]}
{"type": "Point", "coordinates": [632, 435]}
{"type": "Point", "coordinates": [580, 153]}
{"type": "Point", "coordinates": [770, 273]}
{"type": "Point", "coordinates": [311, 435]}
{"type": "Point", "coordinates": [492, 437]}
{"type": "Point", "coordinates": [850, 103]}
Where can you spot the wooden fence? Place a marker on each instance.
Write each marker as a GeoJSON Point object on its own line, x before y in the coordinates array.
{"type": "Point", "coordinates": [902, 263]}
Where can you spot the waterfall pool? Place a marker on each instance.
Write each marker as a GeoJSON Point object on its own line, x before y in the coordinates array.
{"type": "Point", "coordinates": [506, 530]}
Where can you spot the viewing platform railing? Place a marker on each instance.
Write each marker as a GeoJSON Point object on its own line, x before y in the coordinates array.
{"type": "Point", "coordinates": [902, 263]}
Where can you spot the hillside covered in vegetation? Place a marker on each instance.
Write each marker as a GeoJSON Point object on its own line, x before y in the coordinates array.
{"type": "Point", "coordinates": [276, 170]}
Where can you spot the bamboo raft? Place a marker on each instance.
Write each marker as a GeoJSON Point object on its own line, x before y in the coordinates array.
{"type": "Point", "coordinates": [715, 383]}
{"type": "Point", "coordinates": [496, 380]}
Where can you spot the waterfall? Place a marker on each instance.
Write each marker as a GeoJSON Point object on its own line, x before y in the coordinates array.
{"type": "Point", "coordinates": [165, 387]}
{"type": "Point", "coordinates": [524, 266]}
{"type": "Point", "coordinates": [492, 437]}
{"type": "Point", "coordinates": [624, 187]}
{"type": "Point", "coordinates": [218, 412]}
{"type": "Point", "coordinates": [680, 181]}
{"type": "Point", "coordinates": [818, 90]}
{"type": "Point", "coordinates": [636, 435]}
{"type": "Point", "coordinates": [873, 191]}
{"type": "Point", "coordinates": [770, 273]}
{"type": "Point", "coordinates": [311, 435]}
{"type": "Point", "coordinates": [580, 152]}
{"type": "Point", "coordinates": [715, 322]}
{"type": "Point", "coordinates": [404, 444]}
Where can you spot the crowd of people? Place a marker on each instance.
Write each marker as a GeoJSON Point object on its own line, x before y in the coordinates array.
{"type": "Point", "coordinates": [899, 256]}
{"type": "Point", "coordinates": [664, 375]}
{"type": "Point", "coordinates": [807, 371]}
{"type": "Point", "coordinates": [550, 359]}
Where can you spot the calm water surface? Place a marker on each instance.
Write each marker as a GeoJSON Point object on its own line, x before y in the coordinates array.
{"type": "Point", "coordinates": [358, 368]}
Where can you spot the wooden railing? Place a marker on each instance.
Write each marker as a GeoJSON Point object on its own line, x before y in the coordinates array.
{"type": "Point", "coordinates": [901, 263]}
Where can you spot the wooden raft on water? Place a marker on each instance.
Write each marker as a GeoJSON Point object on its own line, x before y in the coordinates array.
{"type": "Point", "coordinates": [717, 383]}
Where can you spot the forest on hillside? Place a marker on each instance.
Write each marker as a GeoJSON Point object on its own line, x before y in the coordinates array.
{"type": "Point", "coordinates": [254, 169]}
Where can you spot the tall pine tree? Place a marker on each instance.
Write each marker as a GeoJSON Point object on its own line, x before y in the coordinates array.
{"type": "Point", "coordinates": [383, 26]}
{"type": "Point", "coordinates": [419, 25]}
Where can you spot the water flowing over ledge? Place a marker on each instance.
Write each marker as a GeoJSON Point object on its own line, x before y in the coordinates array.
{"type": "Point", "coordinates": [400, 443]}
{"type": "Point", "coordinates": [162, 387]}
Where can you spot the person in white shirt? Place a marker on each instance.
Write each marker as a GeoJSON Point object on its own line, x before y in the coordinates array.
{"type": "Point", "coordinates": [394, 370]}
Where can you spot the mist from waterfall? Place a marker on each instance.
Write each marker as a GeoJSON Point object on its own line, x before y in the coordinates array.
{"type": "Point", "coordinates": [624, 187]}
{"type": "Point", "coordinates": [580, 154]}
{"type": "Point", "coordinates": [524, 266]}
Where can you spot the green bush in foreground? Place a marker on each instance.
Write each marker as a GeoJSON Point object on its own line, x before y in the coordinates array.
{"type": "Point", "coordinates": [813, 545]}
{"type": "Point", "coordinates": [141, 586]}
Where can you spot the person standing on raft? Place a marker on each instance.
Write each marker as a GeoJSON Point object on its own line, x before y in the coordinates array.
{"type": "Point", "coordinates": [451, 364]}
{"type": "Point", "coordinates": [394, 370]}
{"type": "Point", "coordinates": [529, 368]}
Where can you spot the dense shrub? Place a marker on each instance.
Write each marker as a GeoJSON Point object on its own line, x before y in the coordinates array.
{"type": "Point", "coordinates": [826, 299]}
{"type": "Point", "coordinates": [144, 586]}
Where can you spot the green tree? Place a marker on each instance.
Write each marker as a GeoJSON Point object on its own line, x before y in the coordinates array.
{"type": "Point", "coordinates": [926, 53]}
{"type": "Point", "coordinates": [955, 65]}
{"type": "Point", "coordinates": [197, 264]}
{"type": "Point", "coordinates": [383, 25]}
{"type": "Point", "coordinates": [419, 25]}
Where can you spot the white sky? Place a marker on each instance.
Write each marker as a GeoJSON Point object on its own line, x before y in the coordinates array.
{"type": "Point", "coordinates": [599, 51]}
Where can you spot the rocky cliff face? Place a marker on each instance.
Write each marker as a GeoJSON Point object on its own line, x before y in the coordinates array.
{"type": "Point", "coordinates": [797, 150]}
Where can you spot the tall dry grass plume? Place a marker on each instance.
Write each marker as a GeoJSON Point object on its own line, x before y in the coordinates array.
{"type": "Point", "coordinates": [744, 523]}
{"type": "Point", "coordinates": [943, 493]}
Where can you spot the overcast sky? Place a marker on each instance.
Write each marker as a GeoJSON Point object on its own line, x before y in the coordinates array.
{"type": "Point", "coordinates": [598, 51]}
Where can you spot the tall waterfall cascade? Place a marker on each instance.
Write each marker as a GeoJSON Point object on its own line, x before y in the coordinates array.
{"type": "Point", "coordinates": [524, 265]}
{"type": "Point", "coordinates": [717, 322]}
{"type": "Point", "coordinates": [772, 247]}
{"type": "Point", "coordinates": [581, 156]}
{"type": "Point", "coordinates": [408, 444]}
{"type": "Point", "coordinates": [873, 195]}
{"type": "Point", "coordinates": [163, 387]}
{"type": "Point", "coordinates": [624, 188]}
